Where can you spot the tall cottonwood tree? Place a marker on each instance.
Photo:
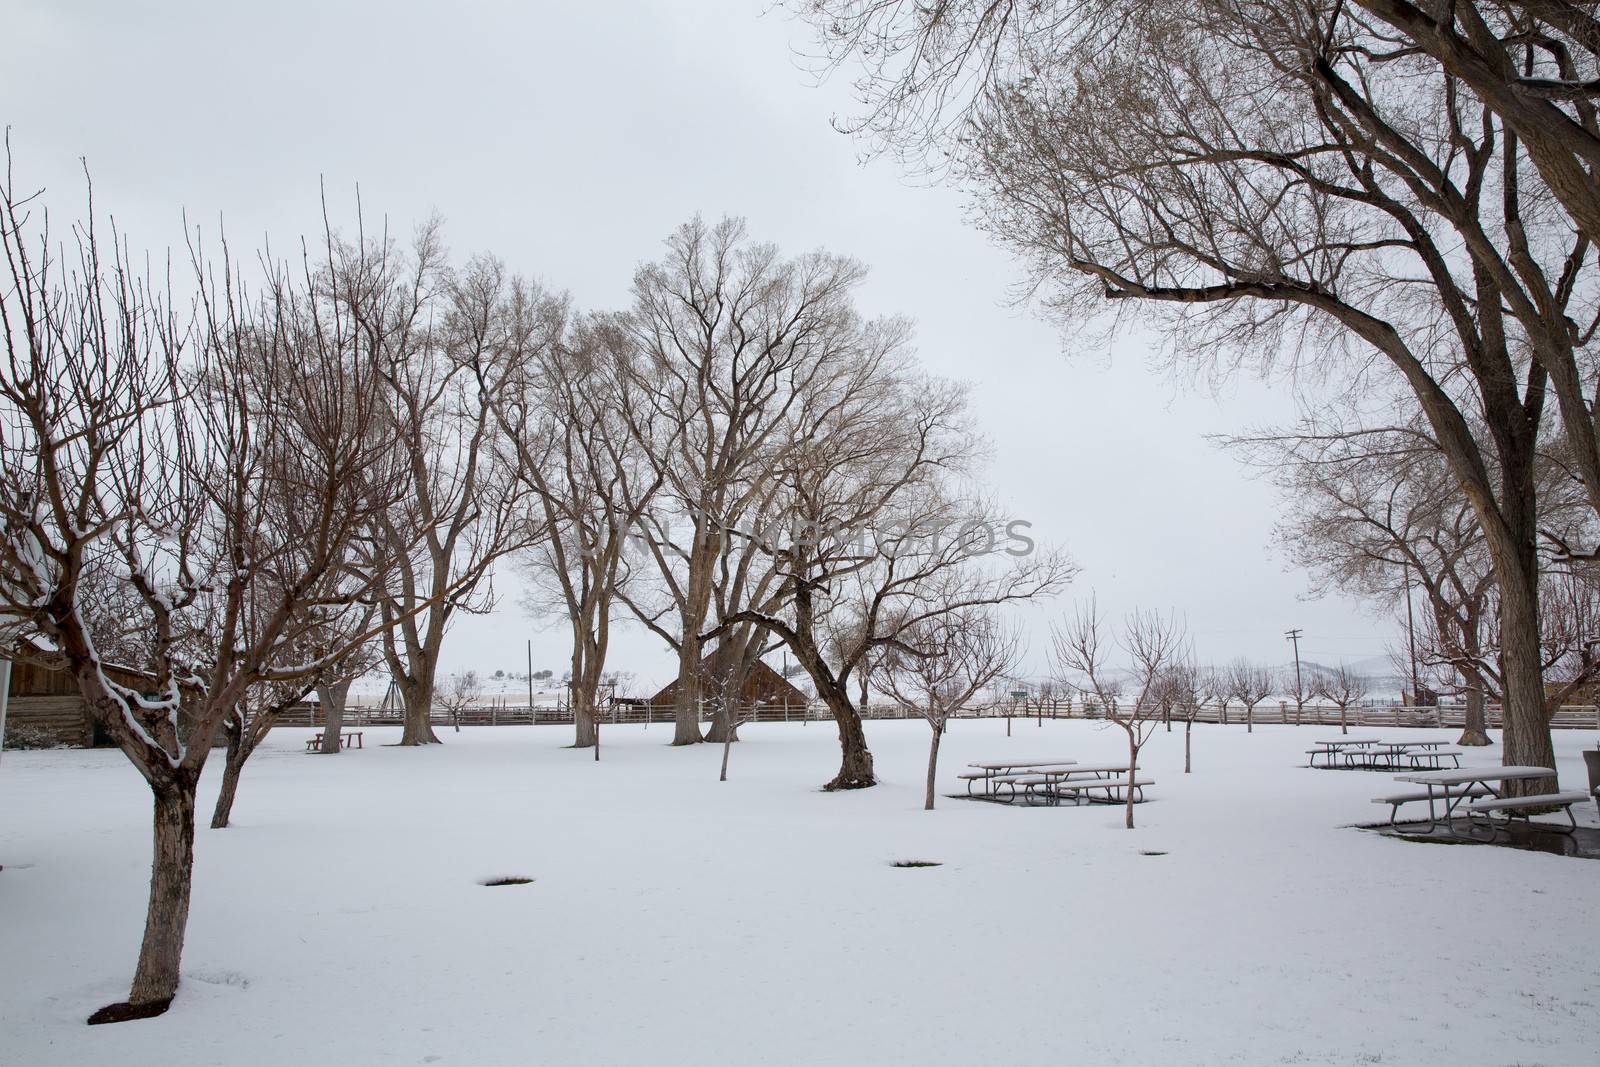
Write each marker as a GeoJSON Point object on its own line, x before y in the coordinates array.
{"type": "Point", "coordinates": [725, 335]}
{"type": "Point", "coordinates": [873, 535]}
{"type": "Point", "coordinates": [429, 327]}
{"type": "Point", "coordinates": [1290, 182]}
{"type": "Point", "coordinates": [144, 458]}
{"type": "Point", "coordinates": [1377, 511]}
{"type": "Point", "coordinates": [558, 398]}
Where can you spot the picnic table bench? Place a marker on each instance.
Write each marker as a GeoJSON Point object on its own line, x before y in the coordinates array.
{"type": "Point", "coordinates": [346, 737]}
{"type": "Point", "coordinates": [1482, 813]}
{"type": "Point", "coordinates": [988, 772]}
{"type": "Point", "coordinates": [1463, 785]}
{"type": "Point", "coordinates": [1113, 787]}
{"type": "Point", "coordinates": [1050, 785]}
{"type": "Point", "coordinates": [1373, 753]}
{"type": "Point", "coordinates": [1330, 750]}
{"type": "Point", "coordinates": [1395, 800]}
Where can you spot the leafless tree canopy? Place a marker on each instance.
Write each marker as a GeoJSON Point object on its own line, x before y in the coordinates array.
{"type": "Point", "coordinates": [1398, 193]}
{"type": "Point", "coordinates": [1151, 644]}
{"type": "Point", "coordinates": [208, 475]}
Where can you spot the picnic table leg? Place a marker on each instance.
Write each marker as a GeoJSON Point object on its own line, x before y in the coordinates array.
{"type": "Point", "coordinates": [1452, 804]}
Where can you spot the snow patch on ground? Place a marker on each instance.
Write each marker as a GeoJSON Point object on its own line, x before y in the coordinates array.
{"type": "Point", "coordinates": [678, 920]}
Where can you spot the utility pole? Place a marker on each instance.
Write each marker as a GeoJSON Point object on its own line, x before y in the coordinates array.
{"type": "Point", "coordinates": [1411, 636]}
{"type": "Point", "coordinates": [1294, 639]}
{"type": "Point", "coordinates": [1299, 687]}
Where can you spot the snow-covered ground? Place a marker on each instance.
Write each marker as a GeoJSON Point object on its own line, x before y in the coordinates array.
{"type": "Point", "coordinates": [678, 920]}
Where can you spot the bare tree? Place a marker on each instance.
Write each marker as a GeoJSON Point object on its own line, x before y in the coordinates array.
{"type": "Point", "coordinates": [461, 690]}
{"type": "Point", "coordinates": [333, 686]}
{"type": "Point", "coordinates": [557, 395]}
{"type": "Point", "coordinates": [429, 327]}
{"type": "Point", "coordinates": [1186, 686]}
{"type": "Point", "coordinates": [144, 455]}
{"type": "Point", "coordinates": [1378, 512]}
{"type": "Point", "coordinates": [941, 664]}
{"type": "Point", "coordinates": [726, 336]}
{"type": "Point", "coordinates": [1340, 686]}
{"type": "Point", "coordinates": [1152, 643]}
{"type": "Point", "coordinates": [1294, 184]}
{"type": "Point", "coordinates": [1249, 684]}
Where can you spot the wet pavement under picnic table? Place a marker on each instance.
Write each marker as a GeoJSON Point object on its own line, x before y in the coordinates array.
{"type": "Point", "coordinates": [1583, 843]}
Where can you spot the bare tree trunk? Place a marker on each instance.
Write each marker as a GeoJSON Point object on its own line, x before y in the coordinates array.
{"type": "Point", "coordinates": [686, 710]}
{"type": "Point", "coordinates": [933, 766]}
{"type": "Point", "coordinates": [232, 764]}
{"type": "Point", "coordinates": [1133, 770]}
{"type": "Point", "coordinates": [418, 698]}
{"type": "Point", "coordinates": [1188, 730]}
{"type": "Point", "coordinates": [332, 699]}
{"type": "Point", "coordinates": [1344, 722]}
{"type": "Point", "coordinates": [728, 738]}
{"type": "Point", "coordinates": [1526, 728]}
{"type": "Point", "coordinates": [855, 761]}
{"type": "Point", "coordinates": [155, 980]}
{"type": "Point", "coordinates": [1249, 718]}
{"type": "Point", "coordinates": [1474, 733]}
{"type": "Point", "coordinates": [585, 735]}
{"type": "Point", "coordinates": [587, 665]}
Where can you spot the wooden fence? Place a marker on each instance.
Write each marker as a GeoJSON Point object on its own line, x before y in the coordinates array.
{"type": "Point", "coordinates": [1276, 713]}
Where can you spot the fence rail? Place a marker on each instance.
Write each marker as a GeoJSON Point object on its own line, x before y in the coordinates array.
{"type": "Point", "coordinates": [1568, 718]}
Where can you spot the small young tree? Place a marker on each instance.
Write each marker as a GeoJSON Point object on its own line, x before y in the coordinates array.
{"type": "Point", "coordinates": [1190, 686]}
{"type": "Point", "coordinates": [1341, 687]}
{"type": "Point", "coordinates": [1249, 684]}
{"type": "Point", "coordinates": [460, 691]}
{"type": "Point", "coordinates": [1152, 642]}
{"type": "Point", "coordinates": [942, 663]}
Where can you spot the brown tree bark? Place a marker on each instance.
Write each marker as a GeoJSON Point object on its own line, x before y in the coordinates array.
{"type": "Point", "coordinates": [855, 760]}
{"type": "Point", "coordinates": [418, 699]}
{"type": "Point", "coordinates": [933, 766]}
{"type": "Point", "coordinates": [686, 708]}
{"type": "Point", "coordinates": [155, 979]}
{"type": "Point", "coordinates": [1526, 733]}
{"type": "Point", "coordinates": [1188, 731]}
{"type": "Point", "coordinates": [232, 764]}
{"type": "Point", "coordinates": [332, 700]}
{"type": "Point", "coordinates": [584, 733]}
{"type": "Point", "coordinates": [1133, 770]}
{"type": "Point", "coordinates": [1474, 733]}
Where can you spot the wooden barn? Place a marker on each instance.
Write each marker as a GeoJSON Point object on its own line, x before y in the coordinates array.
{"type": "Point", "coordinates": [48, 701]}
{"type": "Point", "coordinates": [763, 688]}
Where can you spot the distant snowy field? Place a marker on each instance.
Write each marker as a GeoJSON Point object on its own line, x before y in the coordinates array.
{"type": "Point", "coordinates": [679, 920]}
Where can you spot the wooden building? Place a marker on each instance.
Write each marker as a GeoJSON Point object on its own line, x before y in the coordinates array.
{"type": "Point", "coordinates": [763, 688]}
{"type": "Point", "coordinates": [48, 701]}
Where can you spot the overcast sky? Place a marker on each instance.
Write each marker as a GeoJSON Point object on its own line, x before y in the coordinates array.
{"type": "Point", "coordinates": [570, 142]}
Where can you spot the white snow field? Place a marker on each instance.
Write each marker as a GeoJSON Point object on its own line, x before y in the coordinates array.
{"type": "Point", "coordinates": [678, 920]}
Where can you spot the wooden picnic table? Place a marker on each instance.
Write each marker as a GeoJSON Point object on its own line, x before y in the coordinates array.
{"type": "Point", "coordinates": [314, 742]}
{"type": "Point", "coordinates": [1453, 786]}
